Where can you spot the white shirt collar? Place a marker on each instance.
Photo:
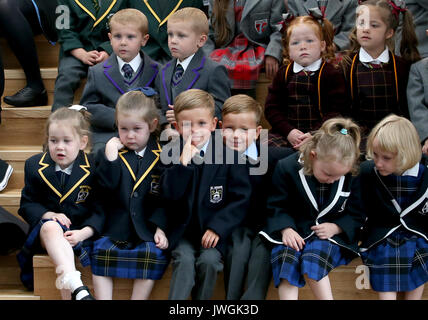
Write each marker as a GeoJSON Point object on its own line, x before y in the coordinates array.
{"type": "Point", "coordinates": [251, 151]}
{"type": "Point", "coordinates": [367, 58]}
{"type": "Point", "coordinates": [141, 153]}
{"type": "Point", "coordinates": [205, 146]}
{"type": "Point", "coordinates": [134, 63]}
{"type": "Point", "coordinates": [314, 66]}
{"type": "Point", "coordinates": [66, 170]}
{"type": "Point", "coordinates": [185, 63]}
{"type": "Point", "coordinates": [413, 171]}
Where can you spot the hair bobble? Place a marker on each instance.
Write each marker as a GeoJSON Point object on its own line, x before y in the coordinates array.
{"type": "Point", "coordinates": [397, 6]}
{"type": "Point", "coordinates": [286, 19]}
{"type": "Point", "coordinates": [78, 107]}
{"type": "Point", "coordinates": [148, 91]}
{"type": "Point", "coordinates": [344, 131]}
{"type": "Point", "coordinates": [316, 14]}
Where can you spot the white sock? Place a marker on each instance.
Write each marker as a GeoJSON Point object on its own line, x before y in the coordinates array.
{"type": "Point", "coordinates": [72, 281]}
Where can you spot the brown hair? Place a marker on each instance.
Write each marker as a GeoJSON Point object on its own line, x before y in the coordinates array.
{"type": "Point", "coordinates": [241, 103]}
{"type": "Point", "coordinates": [193, 99]}
{"type": "Point", "coordinates": [78, 120]}
{"type": "Point", "coordinates": [324, 32]}
{"type": "Point", "coordinates": [396, 135]}
{"type": "Point", "coordinates": [338, 139]}
{"type": "Point", "coordinates": [409, 40]}
{"type": "Point", "coordinates": [221, 27]}
{"type": "Point", "coordinates": [194, 16]}
{"type": "Point", "coordinates": [130, 16]}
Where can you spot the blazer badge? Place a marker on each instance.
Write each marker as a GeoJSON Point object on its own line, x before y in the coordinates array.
{"type": "Point", "coordinates": [424, 210]}
{"type": "Point", "coordinates": [154, 185]}
{"type": "Point", "coordinates": [216, 194]}
{"type": "Point", "coordinates": [83, 194]}
{"type": "Point", "coordinates": [260, 25]}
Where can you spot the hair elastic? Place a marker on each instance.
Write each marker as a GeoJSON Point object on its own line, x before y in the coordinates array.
{"type": "Point", "coordinates": [316, 14]}
{"type": "Point", "coordinates": [77, 107]}
{"type": "Point", "coordinates": [344, 131]}
{"type": "Point", "coordinates": [397, 7]}
{"type": "Point", "coordinates": [148, 91]}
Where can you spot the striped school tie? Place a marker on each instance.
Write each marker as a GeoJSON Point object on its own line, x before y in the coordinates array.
{"type": "Point", "coordinates": [178, 75]}
{"type": "Point", "coordinates": [127, 71]}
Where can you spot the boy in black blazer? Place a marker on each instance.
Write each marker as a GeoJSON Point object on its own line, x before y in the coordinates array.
{"type": "Point", "coordinates": [208, 195]}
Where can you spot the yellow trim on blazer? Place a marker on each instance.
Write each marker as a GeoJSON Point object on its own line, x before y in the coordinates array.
{"type": "Point", "coordinates": [157, 17]}
{"type": "Point", "coordinates": [92, 16]}
{"type": "Point", "coordinates": [45, 165]}
{"type": "Point", "coordinates": [156, 152]}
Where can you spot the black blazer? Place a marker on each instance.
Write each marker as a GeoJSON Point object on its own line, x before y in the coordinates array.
{"type": "Point", "coordinates": [373, 200]}
{"type": "Point", "coordinates": [42, 192]}
{"type": "Point", "coordinates": [131, 198]}
{"type": "Point", "coordinates": [218, 192]}
{"type": "Point", "coordinates": [292, 204]}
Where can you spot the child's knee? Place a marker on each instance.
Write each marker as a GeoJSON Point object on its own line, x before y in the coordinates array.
{"type": "Point", "coordinates": [210, 258]}
{"type": "Point", "coordinates": [50, 228]}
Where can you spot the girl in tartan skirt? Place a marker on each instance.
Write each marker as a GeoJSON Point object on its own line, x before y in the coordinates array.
{"type": "Point", "coordinates": [245, 35]}
{"type": "Point", "coordinates": [394, 196]}
{"type": "Point", "coordinates": [376, 78]}
{"type": "Point", "coordinates": [133, 243]}
{"type": "Point", "coordinates": [312, 231]}
{"type": "Point", "coordinates": [308, 89]}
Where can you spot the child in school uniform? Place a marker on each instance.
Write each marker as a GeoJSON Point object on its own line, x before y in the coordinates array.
{"type": "Point", "coordinates": [245, 36]}
{"type": "Point", "coordinates": [133, 240]}
{"type": "Point", "coordinates": [376, 78]}
{"type": "Point", "coordinates": [393, 194]}
{"type": "Point", "coordinates": [309, 223]}
{"type": "Point", "coordinates": [247, 271]}
{"type": "Point", "coordinates": [126, 69]}
{"type": "Point", "coordinates": [208, 195]}
{"type": "Point", "coordinates": [57, 201]}
{"type": "Point", "coordinates": [84, 43]}
{"type": "Point", "coordinates": [341, 13]}
{"type": "Point", "coordinates": [308, 89]}
{"type": "Point", "coordinates": [417, 98]}
{"type": "Point", "coordinates": [189, 68]}
{"type": "Point", "coordinates": [158, 12]}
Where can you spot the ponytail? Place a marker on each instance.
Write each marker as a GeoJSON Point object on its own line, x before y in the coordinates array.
{"type": "Point", "coordinates": [219, 22]}
{"type": "Point", "coordinates": [409, 41]}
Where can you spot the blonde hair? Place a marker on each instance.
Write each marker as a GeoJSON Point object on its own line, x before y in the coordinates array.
{"type": "Point", "coordinates": [130, 16]}
{"type": "Point", "coordinates": [338, 139]}
{"type": "Point", "coordinates": [396, 135]}
{"type": "Point", "coordinates": [137, 104]}
{"type": "Point", "coordinates": [324, 32]}
{"type": "Point", "coordinates": [194, 99]}
{"type": "Point", "coordinates": [78, 120]}
{"type": "Point", "coordinates": [196, 17]}
{"type": "Point", "coordinates": [241, 103]}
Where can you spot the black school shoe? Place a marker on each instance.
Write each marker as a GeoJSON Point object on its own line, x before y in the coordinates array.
{"type": "Point", "coordinates": [27, 97]}
{"type": "Point", "coordinates": [75, 292]}
{"type": "Point", "coordinates": [5, 172]}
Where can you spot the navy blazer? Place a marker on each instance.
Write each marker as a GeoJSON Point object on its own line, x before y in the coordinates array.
{"type": "Point", "coordinates": [217, 191]}
{"type": "Point", "coordinates": [42, 192]}
{"type": "Point", "coordinates": [130, 197]}
{"type": "Point", "coordinates": [292, 205]}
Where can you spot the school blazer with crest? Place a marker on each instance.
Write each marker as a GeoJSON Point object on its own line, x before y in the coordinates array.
{"type": "Point", "coordinates": [292, 204]}
{"type": "Point", "coordinates": [192, 190]}
{"type": "Point", "coordinates": [383, 217]}
{"type": "Point", "coordinates": [131, 199]}
{"type": "Point", "coordinates": [42, 192]}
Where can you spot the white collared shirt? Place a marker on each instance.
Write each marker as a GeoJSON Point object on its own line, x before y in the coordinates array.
{"type": "Point", "coordinates": [66, 170]}
{"type": "Point", "coordinates": [134, 63]}
{"type": "Point", "coordinates": [185, 63]}
{"type": "Point", "coordinates": [413, 171]}
{"type": "Point", "coordinates": [314, 66]}
{"type": "Point", "coordinates": [251, 151]}
{"type": "Point", "coordinates": [365, 57]}
{"type": "Point", "coordinates": [141, 153]}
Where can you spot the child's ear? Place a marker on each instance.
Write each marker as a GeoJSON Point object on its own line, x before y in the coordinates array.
{"type": "Point", "coordinates": [214, 123]}
{"type": "Point", "coordinates": [84, 142]}
{"type": "Point", "coordinates": [154, 125]}
{"type": "Point", "coordinates": [323, 46]}
{"type": "Point", "coordinates": [220, 124]}
{"type": "Point", "coordinates": [313, 155]}
{"type": "Point", "coordinates": [109, 36]}
{"type": "Point", "coordinates": [389, 33]}
{"type": "Point", "coordinates": [202, 39]}
{"type": "Point", "coordinates": [145, 39]}
{"type": "Point", "coordinates": [258, 130]}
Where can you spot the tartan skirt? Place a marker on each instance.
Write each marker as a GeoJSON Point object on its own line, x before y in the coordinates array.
{"type": "Point", "coordinates": [398, 263]}
{"type": "Point", "coordinates": [121, 259]}
{"type": "Point", "coordinates": [243, 61]}
{"type": "Point", "coordinates": [317, 259]}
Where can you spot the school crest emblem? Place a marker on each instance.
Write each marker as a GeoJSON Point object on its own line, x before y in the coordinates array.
{"type": "Point", "coordinates": [216, 194]}
{"type": "Point", "coordinates": [261, 25]}
{"type": "Point", "coordinates": [424, 210]}
{"type": "Point", "coordinates": [83, 194]}
{"type": "Point", "coordinates": [154, 185]}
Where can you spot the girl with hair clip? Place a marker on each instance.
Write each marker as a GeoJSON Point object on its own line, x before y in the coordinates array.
{"type": "Point", "coordinates": [377, 79]}
{"type": "Point", "coordinates": [393, 193]}
{"type": "Point", "coordinates": [308, 89]}
{"type": "Point", "coordinates": [312, 231]}
{"type": "Point", "coordinates": [58, 202]}
{"type": "Point", "coordinates": [245, 35]}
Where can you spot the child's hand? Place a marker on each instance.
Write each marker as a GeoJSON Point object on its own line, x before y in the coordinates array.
{"type": "Point", "coordinates": [112, 148]}
{"type": "Point", "coordinates": [170, 116]}
{"type": "Point", "coordinates": [189, 151]}
{"type": "Point", "coordinates": [271, 66]}
{"type": "Point", "coordinates": [61, 218]}
{"type": "Point", "coordinates": [295, 137]}
{"type": "Point", "coordinates": [303, 138]}
{"type": "Point", "coordinates": [326, 230]}
{"type": "Point", "coordinates": [87, 57]}
{"type": "Point", "coordinates": [425, 147]}
{"type": "Point", "coordinates": [102, 56]}
{"type": "Point", "coordinates": [292, 239]}
{"type": "Point", "coordinates": [160, 239]}
{"type": "Point", "coordinates": [75, 236]}
{"type": "Point", "coordinates": [210, 239]}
